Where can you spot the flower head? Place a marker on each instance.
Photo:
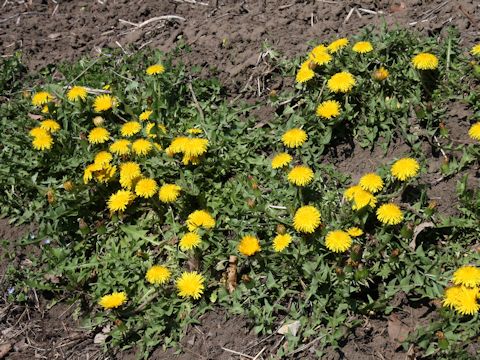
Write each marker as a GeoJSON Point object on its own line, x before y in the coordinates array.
{"type": "Point", "coordinates": [362, 198]}
{"type": "Point", "coordinates": [281, 160]}
{"type": "Point", "coordinates": [362, 47]}
{"type": "Point", "coordinates": [194, 131]}
{"type": "Point", "coordinates": [41, 98]}
{"type": "Point", "coordinates": [474, 131]}
{"type": "Point", "coordinates": [306, 219]}
{"type": "Point", "coordinates": [195, 147]}
{"type": "Point", "coordinates": [103, 158]}
{"type": "Point", "coordinates": [113, 300]}
{"type": "Point", "coordinates": [142, 146]}
{"type": "Point", "coordinates": [475, 50]}
{"type": "Point", "coordinates": [405, 169]}
{"type": "Point", "coordinates": [381, 74]}
{"type": "Point", "coordinates": [106, 173]}
{"type": "Point", "coordinates": [371, 182]}
{"type": "Point", "coordinates": [42, 142]}
{"type": "Point", "coordinates": [146, 188]}
{"type": "Point", "coordinates": [389, 214]}
{"type": "Point", "coordinates": [355, 232]}
{"type": "Point", "coordinates": [466, 301]}
{"type": "Point", "coordinates": [425, 61]}
{"type": "Point", "coordinates": [145, 115]}
{"type": "Point", "coordinates": [104, 102]}
{"type": "Point", "coordinates": [350, 192]}
{"type": "Point", "coordinates": [319, 55]}
{"type": "Point", "coordinates": [155, 69]}
{"type": "Point", "coordinates": [305, 72]}
{"type": "Point", "coordinates": [129, 172]}
{"type": "Point", "coordinates": [190, 284]}
{"type": "Point", "coordinates": [338, 241]}
{"type": "Point", "coordinates": [120, 200]}
{"type": "Point", "coordinates": [130, 128]}
{"type": "Point", "coordinates": [451, 296]}
{"type": "Point", "coordinates": [328, 109]}
{"type": "Point", "coordinates": [169, 193]}
{"type": "Point", "coordinates": [467, 275]}
{"type": "Point", "coordinates": [77, 93]}
{"type": "Point", "coordinates": [120, 147]}
{"type": "Point", "coordinates": [281, 241]}
{"type": "Point", "coordinates": [337, 45]}
{"type": "Point", "coordinates": [157, 274]}
{"type": "Point", "coordinates": [50, 125]}
{"type": "Point", "coordinates": [98, 135]}
{"type": "Point", "coordinates": [341, 82]}
{"type": "Point", "coordinates": [189, 241]}
{"type": "Point", "coordinates": [249, 245]}
{"type": "Point", "coordinates": [294, 138]}
{"type": "Point", "coordinates": [38, 131]}
{"type": "Point", "coordinates": [300, 175]}
{"type": "Point", "coordinates": [200, 218]}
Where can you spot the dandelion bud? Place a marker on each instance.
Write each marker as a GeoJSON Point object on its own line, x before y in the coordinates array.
{"type": "Point", "coordinates": [440, 335]}
{"type": "Point", "coordinates": [395, 252]}
{"type": "Point", "coordinates": [339, 271]}
{"type": "Point", "coordinates": [380, 74]}
{"type": "Point", "coordinates": [68, 185]}
{"type": "Point", "coordinates": [98, 121]}
{"type": "Point", "coordinates": [251, 203]}
{"type": "Point", "coordinates": [281, 229]}
{"type": "Point", "coordinates": [50, 196]}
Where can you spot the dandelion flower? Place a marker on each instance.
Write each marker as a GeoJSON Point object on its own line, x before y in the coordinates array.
{"type": "Point", "coordinates": [157, 274]}
{"type": "Point", "coordinates": [38, 131]}
{"type": "Point", "coordinates": [155, 69]}
{"type": "Point", "coordinates": [179, 145]}
{"type": "Point", "coordinates": [77, 93]}
{"type": "Point", "coordinates": [338, 241]}
{"type": "Point", "coordinates": [148, 129]}
{"type": "Point", "coordinates": [42, 142]}
{"type": "Point", "coordinates": [355, 232]}
{"type": "Point", "coordinates": [320, 56]}
{"type": "Point", "coordinates": [300, 175]}
{"type": "Point", "coordinates": [120, 147]}
{"type": "Point", "coordinates": [41, 98]}
{"type": "Point", "coordinates": [187, 159]}
{"type": "Point", "coordinates": [337, 45]}
{"type": "Point", "coordinates": [142, 146]}
{"type": "Point", "coordinates": [371, 182]}
{"type": "Point", "coordinates": [200, 218]}
{"type": "Point", "coordinates": [341, 82]}
{"type": "Point", "coordinates": [195, 147]}
{"type": "Point", "coordinates": [451, 296]}
{"type": "Point", "coordinates": [474, 131]}
{"type": "Point", "coordinates": [169, 193]}
{"type": "Point", "coordinates": [467, 275]}
{"type": "Point", "coordinates": [120, 200]}
{"type": "Point", "coordinates": [280, 242]}
{"type": "Point", "coordinates": [45, 109]}
{"type": "Point", "coordinates": [50, 125]}
{"type": "Point", "coordinates": [306, 219]}
{"type": "Point", "coordinates": [405, 169]}
{"type": "Point", "coordinates": [103, 102]}
{"type": "Point", "coordinates": [89, 171]}
{"type": "Point", "coordinates": [190, 284]}
{"type": "Point", "coordinates": [389, 214]}
{"type": "Point", "coordinates": [249, 245]}
{"type": "Point", "coordinates": [425, 61]}
{"type": "Point", "coordinates": [466, 301]}
{"type": "Point", "coordinates": [129, 171]}
{"type": "Point", "coordinates": [381, 74]}
{"type": "Point", "coordinates": [362, 198]}
{"type": "Point", "coordinates": [350, 192]}
{"type": "Point", "coordinates": [103, 158]}
{"type": "Point", "coordinates": [145, 115]}
{"type": "Point", "coordinates": [98, 135]}
{"type": "Point", "coordinates": [305, 72]}
{"type": "Point", "coordinates": [189, 241]}
{"type": "Point", "coordinates": [475, 50]}
{"type": "Point", "coordinates": [113, 300]}
{"type": "Point", "coordinates": [328, 109]}
{"type": "Point", "coordinates": [281, 160]}
{"type": "Point", "coordinates": [194, 131]}
{"type": "Point", "coordinates": [106, 173]}
{"type": "Point", "coordinates": [130, 128]}
{"type": "Point", "coordinates": [362, 47]}
{"type": "Point", "coordinates": [146, 188]}
{"type": "Point", "coordinates": [294, 138]}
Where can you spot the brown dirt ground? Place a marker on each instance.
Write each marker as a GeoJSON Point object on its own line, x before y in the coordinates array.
{"type": "Point", "coordinates": [226, 39]}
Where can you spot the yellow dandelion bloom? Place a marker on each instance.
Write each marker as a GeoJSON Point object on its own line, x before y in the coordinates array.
{"type": "Point", "coordinates": [42, 142]}
{"type": "Point", "coordinates": [294, 138]}
{"type": "Point", "coordinates": [169, 193]}
{"type": "Point", "coordinates": [200, 218]}
{"type": "Point", "coordinates": [50, 125]}
{"type": "Point", "coordinates": [130, 128]}
{"type": "Point", "coordinates": [146, 188]}
{"type": "Point", "coordinates": [467, 303]}
{"type": "Point", "coordinates": [104, 102]}
{"type": "Point", "coordinates": [113, 300]}
{"type": "Point", "coordinates": [371, 182]}
{"type": "Point", "coordinates": [337, 45]}
{"type": "Point", "coordinates": [389, 214]}
{"type": "Point", "coordinates": [129, 172]}
{"type": "Point", "coordinates": [349, 193]}
{"type": "Point", "coordinates": [195, 147]}
{"type": "Point", "coordinates": [103, 158]}
{"type": "Point", "coordinates": [98, 135]}
{"type": "Point", "coordinates": [45, 109]}
{"type": "Point", "coordinates": [105, 174]}
{"type": "Point", "coordinates": [120, 200]}
{"type": "Point", "coordinates": [179, 144]}
{"type": "Point", "coordinates": [148, 129]}
{"type": "Point", "coordinates": [77, 93]}
{"type": "Point", "coordinates": [381, 74]}
{"type": "Point", "coordinates": [305, 72]}
{"type": "Point", "coordinates": [142, 146]}
{"type": "Point", "coordinates": [38, 131]}
{"type": "Point", "coordinates": [467, 275]}
{"type": "Point", "coordinates": [89, 171]}
{"type": "Point", "coordinates": [155, 69]}
{"type": "Point", "coordinates": [158, 274]}
{"type": "Point", "coordinates": [249, 245]}
{"type": "Point", "coordinates": [306, 219]}
{"type": "Point", "coordinates": [355, 232]}
{"type": "Point", "coordinates": [425, 61]}
{"type": "Point", "coordinates": [341, 82]}
{"type": "Point", "coordinates": [281, 241]}
{"type": "Point", "coordinates": [362, 198]}
{"type": "Point", "coordinates": [194, 131]}
{"type": "Point", "coordinates": [328, 109]}
{"type": "Point", "coordinates": [41, 98]}
{"type": "Point", "coordinates": [120, 147]}
{"type": "Point", "coordinates": [319, 55]}
{"type": "Point", "coordinates": [187, 159]}
{"type": "Point", "coordinates": [474, 131]}
{"type": "Point", "coordinates": [281, 160]}
{"type": "Point", "coordinates": [451, 296]}
{"type": "Point", "coordinates": [190, 284]}
{"type": "Point", "coordinates": [300, 175]}
{"type": "Point", "coordinates": [405, 169]}
{"type": "Point", "coordinates": [189, 241]}
{"type": "Point", "coordinates": [338, 241]}
{"type": "Point", "coordinates": [145, 115]}
{"type": "Point", "coordinates": [475, 50]}
{"type": "Point", "coordinates": [362, 47]}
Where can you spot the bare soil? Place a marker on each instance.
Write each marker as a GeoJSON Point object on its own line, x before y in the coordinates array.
{"type": "Point", "coordinates": [226, 39]}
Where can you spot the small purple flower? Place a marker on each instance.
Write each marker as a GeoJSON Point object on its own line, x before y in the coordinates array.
{"type": "Point", "coordinates": [47, 241]}
{"type": "Point", "coordinates": [10, 290]}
